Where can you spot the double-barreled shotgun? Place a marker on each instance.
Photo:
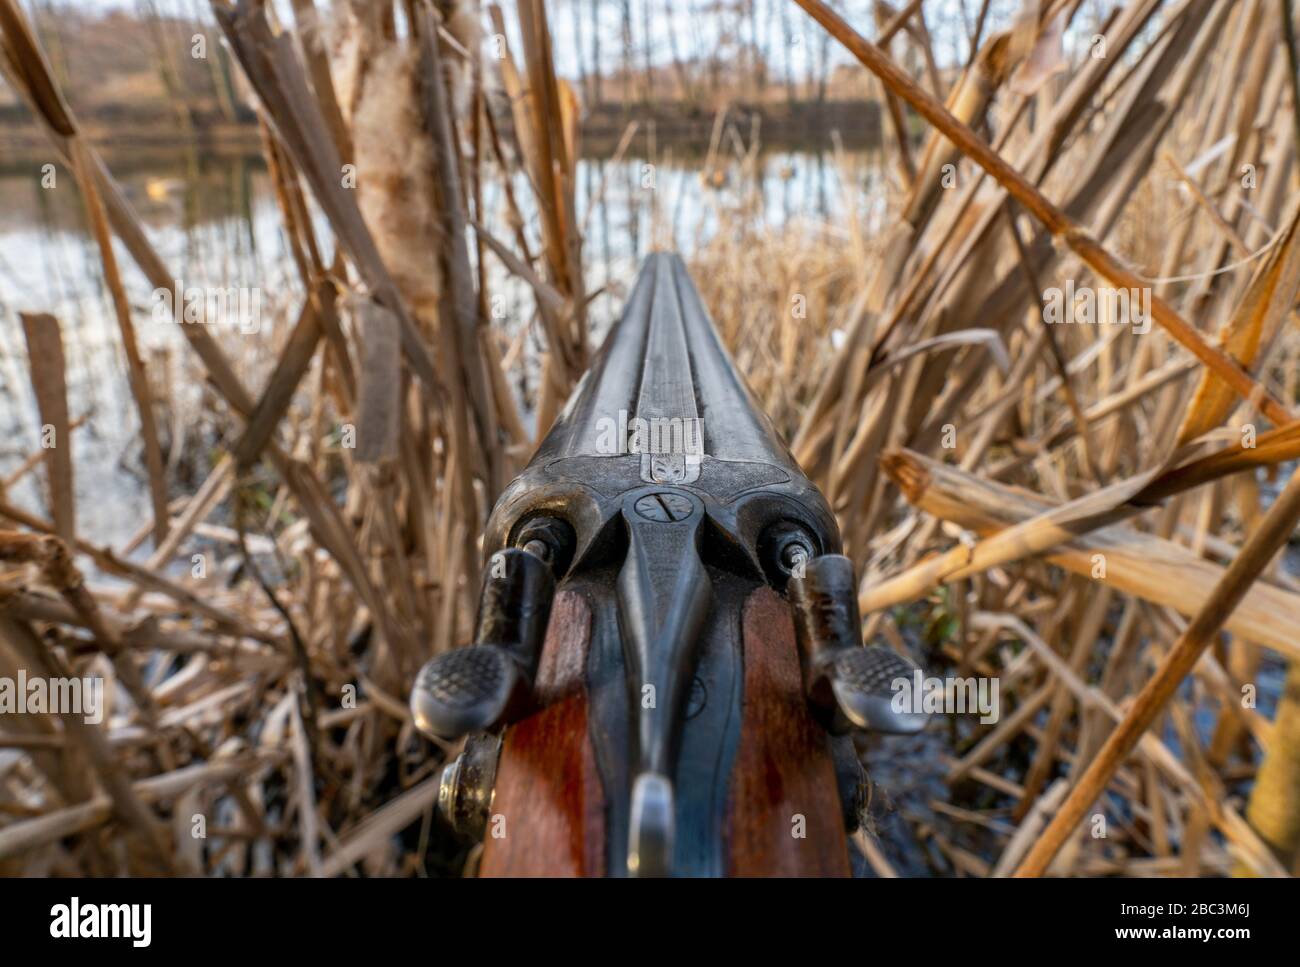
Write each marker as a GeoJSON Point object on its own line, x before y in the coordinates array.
{"type": "Point", "coordinates": [637, 700]}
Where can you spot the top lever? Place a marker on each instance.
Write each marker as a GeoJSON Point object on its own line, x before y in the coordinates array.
{"type": "Point", "coordinates": [848, 685]}
{"type": "Point", "coordinates": [490, 683]}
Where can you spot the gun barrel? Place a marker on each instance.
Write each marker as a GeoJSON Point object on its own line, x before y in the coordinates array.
{"type": "Point", "coordinates": [663, 403]}
{"type": "Point", "coordinates": [683, 515]}
{"type": "Point", "coordinates": [664, 360]}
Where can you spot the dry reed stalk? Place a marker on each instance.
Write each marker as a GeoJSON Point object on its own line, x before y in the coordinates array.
{"type": "Point", "coordinates": [545, 118]}
{"type": "Point", "coordinates": [48, 371]}
{"type": "Point", "coordinates": [1119, 557]}
{"type": "Point", "coordinates": [1056, 221]}
{"type": "Point", "coordinates": [30, 834]}
{"type": "Point", "coordinates": [1153, 751]}
{"type": "Point", "coordinates": [92, 742]}
{"type": "Point", "coordinates": [272, 66]}
{"type": "Point", "coordinates": [25, 60]}
{"type": "Point", "coordinates": [290, 369]}
{"type": "Point", "coordinates": [461, 318]}
{"type": "Point", "coordinates": [1273, 531]}
{"type": "Point", "coordinates": [1268, 302]}
{"type": "Point", "coordinates": [40, 456]}
{"type": "Point", "coordinates": [1271, 810]}
{"type": "Point", "coordinates": [1059, 524]}
{"type": "Point", "coordinates": [82, 166]}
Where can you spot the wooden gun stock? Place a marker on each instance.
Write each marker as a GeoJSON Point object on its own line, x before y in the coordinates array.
{"type": "Point", "coordinates": [548, 793]}
{"type": "Point", "coordinates": [783, 811]}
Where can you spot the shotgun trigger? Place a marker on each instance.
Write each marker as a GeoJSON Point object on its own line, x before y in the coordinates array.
{"type": "Point", "coordinates": [650, 845]}
{"type": "Point", "coordinates": [663, 593]}
{"type": "Point", "coordinates": [848, 686]}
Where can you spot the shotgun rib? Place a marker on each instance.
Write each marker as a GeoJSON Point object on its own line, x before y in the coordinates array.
{"type": "Point", "coordinates": [664, 498]}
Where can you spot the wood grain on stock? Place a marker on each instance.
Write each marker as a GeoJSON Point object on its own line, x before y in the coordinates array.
{"type": "Point", "coordinates": [783, 767]}
{"type": "Point", "coordinates": [547, 787]}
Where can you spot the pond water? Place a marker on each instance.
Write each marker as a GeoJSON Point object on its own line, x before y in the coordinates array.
{"type": "Point", "coordinates": [215, 224]}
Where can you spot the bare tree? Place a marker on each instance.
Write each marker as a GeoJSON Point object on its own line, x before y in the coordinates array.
{"type": "Point", "coordinates": [597, 65]}
{"type": "Point", "coordinates": [575, 9]}
{"type": "Point", "coordinates": [787, 41]}
{"type": "Point", "coordinates": [626, 63]}
{"type": "Point", "coordinates": [646, 49]}
{"type": "Point", "coordinates": [679, 66]}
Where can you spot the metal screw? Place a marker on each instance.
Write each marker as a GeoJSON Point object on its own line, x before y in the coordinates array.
{"type": "Point", "coordinates": [663, 507]}
{"type": "Point", "coordinates": [539, 549]}
{"type": "Point", "coordinates": [794, 557]}
{"type": "Point", "coordinates": [696, 698]}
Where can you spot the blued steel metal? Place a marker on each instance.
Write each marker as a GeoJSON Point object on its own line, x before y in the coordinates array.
{"type": "Point", "coordinates": [667, 391]}
{"type": "Point", "coordinates": [848, 686]}
{"type": "Point", "coordinates": [674, 483]}
{"type": "Point", "coordinates": [465, 786]}
{"type": "Point", "coordinates": [585, 466]}
{"type": "Point", "coordinates": [664, 497]}
{"type": "Point", "coordinates": [491, 681]}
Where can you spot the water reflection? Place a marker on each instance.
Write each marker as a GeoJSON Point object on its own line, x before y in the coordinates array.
{"type": "Point", "coordinates": [216, 224]}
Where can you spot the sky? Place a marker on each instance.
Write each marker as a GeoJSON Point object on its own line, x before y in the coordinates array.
{"type": "Point", "coordinates": [700, 26]}
{"type": "Point", "coordinates": [697, 24]}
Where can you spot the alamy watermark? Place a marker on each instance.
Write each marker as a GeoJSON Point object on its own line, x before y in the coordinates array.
{"type": "Point", "coordinates": [233, 306]}
{"type": "Point", "coordinates": [922, 695]}
{"type": "Point", "coordinates": [664, 435]}
{"type": "Point", "coordinates": [123, 921]}
{"type": "Point", "coordinates": [37, 695]}
{"type": "Point", "coordinates": [1087, 306]}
